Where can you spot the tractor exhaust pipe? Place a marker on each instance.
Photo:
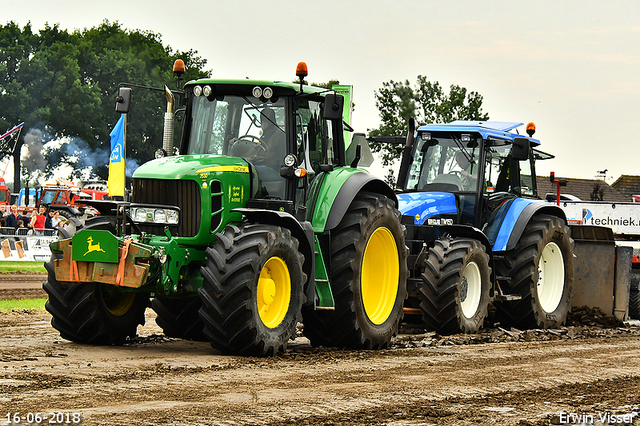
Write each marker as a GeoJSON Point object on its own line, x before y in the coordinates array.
{"type": "Point", "coordinates": [167, 139]}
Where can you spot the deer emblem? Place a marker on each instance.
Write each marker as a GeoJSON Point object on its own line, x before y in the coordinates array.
{"type": "Point", "coordinates": [92, 247]}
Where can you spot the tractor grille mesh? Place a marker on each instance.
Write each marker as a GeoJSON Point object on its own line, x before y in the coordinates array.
{"type": "Point", "coordinates": [182, 193]}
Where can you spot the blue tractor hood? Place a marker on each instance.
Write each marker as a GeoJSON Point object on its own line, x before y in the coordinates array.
{"type": "Point", "coordinates": [423, 205]}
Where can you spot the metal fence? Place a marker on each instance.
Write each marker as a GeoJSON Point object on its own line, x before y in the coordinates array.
{"type": "Point", "coordinates": [24, 244]}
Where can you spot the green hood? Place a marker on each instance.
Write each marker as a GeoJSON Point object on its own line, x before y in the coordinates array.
{"type": "Point", "coordinates": [190, 167]}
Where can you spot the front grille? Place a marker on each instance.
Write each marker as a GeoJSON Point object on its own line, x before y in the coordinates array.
{"type": "Point", "coordinates": [182, 193]}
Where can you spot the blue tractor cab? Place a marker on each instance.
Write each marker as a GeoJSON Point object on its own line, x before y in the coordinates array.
{"type": "Point", "coordinates": [477, 231]}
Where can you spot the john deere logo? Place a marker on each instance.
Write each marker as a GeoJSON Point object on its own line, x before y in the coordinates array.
{"type": "Point", "coordinates": [92, 247]}
{"type": "Point", "coordinates": [95, 246]}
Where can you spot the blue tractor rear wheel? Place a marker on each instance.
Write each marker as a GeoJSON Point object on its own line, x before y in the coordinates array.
{"type": "Point", "coordinates": [541, 271]}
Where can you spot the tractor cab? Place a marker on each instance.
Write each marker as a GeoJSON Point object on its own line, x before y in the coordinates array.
{"type": "Point", "coordinates": [285, 133]}
{"type": "Point", "coordinates": [461, 172]}
{"type": "Point", "coordinates": [263, 131]}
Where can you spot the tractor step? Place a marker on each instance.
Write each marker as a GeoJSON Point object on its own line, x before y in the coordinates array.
{"type": "Point", "coordinates": [508, 297]}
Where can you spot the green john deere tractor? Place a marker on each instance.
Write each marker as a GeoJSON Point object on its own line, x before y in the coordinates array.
{"type": "Point", "coordinates": [261, 219]}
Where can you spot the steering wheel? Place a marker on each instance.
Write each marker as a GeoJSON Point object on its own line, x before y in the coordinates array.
{"type": "Point", "coordinates": [251, 147]}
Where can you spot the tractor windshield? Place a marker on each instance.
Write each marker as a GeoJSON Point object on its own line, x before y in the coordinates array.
{"type": "Point", "coordinates": [240, 126]}
{"type": "Point", "coordinates": [444, 163]}
{"type": "Point", "coordinates": [245, 127]}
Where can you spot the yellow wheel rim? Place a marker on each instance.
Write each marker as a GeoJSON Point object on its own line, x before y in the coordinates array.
{"type": "Point", "coordinates": [274, 292]}
{"type": "Point", "coordinates": [118, 304]}
{"type": "Point", "coordinates": [380, 275]}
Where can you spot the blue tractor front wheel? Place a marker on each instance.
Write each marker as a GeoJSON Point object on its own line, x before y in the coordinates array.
{"type": "Point", "coordinates": [454, 296]}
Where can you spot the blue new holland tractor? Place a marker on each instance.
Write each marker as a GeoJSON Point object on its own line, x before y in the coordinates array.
{"type": "Point", "coordinates": [477, 232]}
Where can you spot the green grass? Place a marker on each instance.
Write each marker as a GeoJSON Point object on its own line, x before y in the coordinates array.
{"type": "Point", "coordinates": [7, 267]}
{"type": "Point", "coordinates": [9, 305]}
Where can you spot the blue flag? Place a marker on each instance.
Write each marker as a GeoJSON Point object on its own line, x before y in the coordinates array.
{"type": "Point", "coordinates": [116, 159]}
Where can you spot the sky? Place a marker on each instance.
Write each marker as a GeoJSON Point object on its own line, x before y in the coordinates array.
{"type": "Point", "coordinates": [571, 67]}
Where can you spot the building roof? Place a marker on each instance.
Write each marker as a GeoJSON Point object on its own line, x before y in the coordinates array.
{"type": "Point", "coordinates": [583, 189]}
{"type": "Point", "coordinates": [628, 185]}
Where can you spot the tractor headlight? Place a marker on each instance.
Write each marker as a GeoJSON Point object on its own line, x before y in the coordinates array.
{"type": "Point", "coordinates": [154, 215]}
{"type": "Point", "coordinates": [267, 92]}
{"type": "Point", "coordinates": [290, 160]}
{"type": "Point", "coordinates": [197, 90]}
{"type": "Point", "coordinates": [172, 216]}
{"type": "Point", "coordinates": [139, 215]}
{"type": "Point", "coordinates": [159, 216]}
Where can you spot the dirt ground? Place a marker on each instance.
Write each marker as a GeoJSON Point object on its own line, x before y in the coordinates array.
{"type": "Point", "coordinates": [501, 377]}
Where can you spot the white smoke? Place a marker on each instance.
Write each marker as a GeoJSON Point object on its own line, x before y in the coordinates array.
{"type": "Point", "coordinates": [66, 157]}
{"type": "Point", "coordinates": [32, 158]}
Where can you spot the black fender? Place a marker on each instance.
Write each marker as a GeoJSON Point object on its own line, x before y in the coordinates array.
{"type": "Point", "coordinates": [303, 231]}
{"type": "Point", "coordinates": [106, 207]}
{"type": "Point", "coordinates": [465, 231]}
{"type": "Point", "coordinates": [355, 184]}
{"type": "Point", "coordinates": [526, 215]}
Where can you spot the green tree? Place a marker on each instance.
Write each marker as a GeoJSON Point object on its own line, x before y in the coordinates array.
{"type": "Point", "coordinates": [328, 85]}
{"type": "Point", "coordinates": [426, 102]}
{"type": "Point", "coordinates": [65, 84]}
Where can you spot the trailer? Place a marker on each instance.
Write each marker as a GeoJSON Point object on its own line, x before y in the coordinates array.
{"type": "Point", "coordinates": [623, 221]}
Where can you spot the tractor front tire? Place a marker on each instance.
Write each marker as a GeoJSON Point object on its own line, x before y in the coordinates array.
{"type": "Point", "coordinates": [541, 271]}
{"type": "Point", "coordinates": [253, 290]}
{"type": "Point", "coordinates": [178, 317]}
{"type": "Point", "coordinates": [93, 313]}
{"type": "Point", "coordinates": [455, 286]}
{"type": "Point", "coordinates": [368, 278]}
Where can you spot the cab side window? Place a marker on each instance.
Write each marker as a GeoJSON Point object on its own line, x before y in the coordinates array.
{"type": "Point", "coordinates": [314, 136]}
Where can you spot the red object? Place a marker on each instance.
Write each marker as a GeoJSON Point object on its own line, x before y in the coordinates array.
{"type": "Point", "coordinates": [558, 182]}
{"type": "Point", "coordinates": [39, 223]}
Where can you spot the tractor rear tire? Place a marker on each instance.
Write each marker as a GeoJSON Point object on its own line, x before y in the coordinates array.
{"type": "Point", "coordinates": [253, 290]}
{"type": "Point", "coordinates": [92, 313]}
{"type": "Point", "coordinates": [455, 286]}
{"type": "Point", "coordinates": [541, 271]}
{"type": "Point", "coordinates": [368, 278]}
{"type": "Point", "coordinates": [179, 317]}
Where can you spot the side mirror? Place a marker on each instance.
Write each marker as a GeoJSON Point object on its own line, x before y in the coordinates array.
{"type": "Point", "coordinates": [123, 101]}
{"type": "Point", "coordinates": [333, 105]}
{"type": "Point", "coordinates": [520, 150]}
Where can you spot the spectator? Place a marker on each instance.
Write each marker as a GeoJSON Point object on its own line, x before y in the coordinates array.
{"type": "Point", "coordinates": [13, 217]}
{"type": "Point", "coordinates": [38, 220]}
{"type": "Point", "coordinates": [3, 214]}
{"type": "Point", "coordinates": [48, 221]}
{"type": "Point", "coordinates": [55, 220]}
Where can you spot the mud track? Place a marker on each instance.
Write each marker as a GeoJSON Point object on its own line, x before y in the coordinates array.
{"type": "Point", "coordinates": [502, 377]}
{"type": "Point", "coordinates": [22, 286]}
